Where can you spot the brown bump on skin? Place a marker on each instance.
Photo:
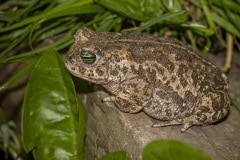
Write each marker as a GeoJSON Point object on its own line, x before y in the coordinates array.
{"type": "Point", "coordinates": [99, 71]}
{"type": "Point", "coordinates": [116, 58]}
{"type": "Point", "coordinates": [81, 69]}
{"type": "Point", "coordinates": [159, 60]}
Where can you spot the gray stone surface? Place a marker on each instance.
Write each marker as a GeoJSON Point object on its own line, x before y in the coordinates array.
{"type": "Point", "coordinates": [109, 129]}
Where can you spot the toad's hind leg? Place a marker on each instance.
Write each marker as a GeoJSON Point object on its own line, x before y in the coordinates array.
{"type": "Point", "coordinates": [187, 122]}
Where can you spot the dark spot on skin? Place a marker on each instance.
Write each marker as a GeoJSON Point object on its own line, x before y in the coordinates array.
{"type": "Point", "coordinates": [178, 87]}
{"type": "Point", "coordinates": [164, 78]}
{"type": "Point", "coordinates": [133, 69]}
{"type": "Point", "coordinates": [160, 71]}
{"type": "Point", "coordinates": [73, 68]}
{"type": "Point", "coordinates": [184, 56]}
{"type": "Point", "coordinates": [178, 100]}
{"type": "Point", "coordinates": [117, 59]}
{"type": "Point", "coordinates": [160, 94]}
{"type": "Point", "coordinates": [194, 77]}
{"type": "Point", "coordinates": [114, 72]}
{"type": "Point", "coordinates": [168, 112]}
{"type": "Point", "coordinates": [166, 63]}
{"type": "Point", "coordinates": [141, 71]}
{"type": "Point", "coordinates": [167, 83]}
{"type": "Point", "coordinates": [173, 78]}
{"type": "Point", "coordinates": [152, 76]}
{"type": "Point", "coordinates": [189, 97]}
{"type": "Point", "coordinates": [124, 70]}
{"type": "Point", "coordinates": [183, 81]}
{"type": "Point", "coordinates": [81, 69]}
{"type": "Point", "coordinates": [205, 109]}
{"type": "Point", "coordinates": [182, 70]}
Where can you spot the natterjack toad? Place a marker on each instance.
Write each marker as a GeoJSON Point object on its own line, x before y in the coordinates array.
{"type": "Point", "coordinates": [162, 77]}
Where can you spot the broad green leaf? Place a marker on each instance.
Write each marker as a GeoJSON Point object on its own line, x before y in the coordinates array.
{"type": "Point", "coordinates": [52, 117]}
{"type": "Point", "coordinates": [118, 155]}
{"type": "Point", "coordinates": [172, 150]}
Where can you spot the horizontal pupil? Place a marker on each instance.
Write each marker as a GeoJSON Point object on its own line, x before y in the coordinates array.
{"type": "Point", "coordinates": [88, 57]}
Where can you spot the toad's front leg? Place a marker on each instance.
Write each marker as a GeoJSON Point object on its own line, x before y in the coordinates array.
{"type": "Point", "coordinates": [132, 95]}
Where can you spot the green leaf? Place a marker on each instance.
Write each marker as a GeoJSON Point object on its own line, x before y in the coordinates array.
{"type": "Point", "coordinates": [157, 20]}
{"type": "Point", "coordinates": [16, 77]}
{"type": "Point", "coordinates": [119, 155]}
{"type": "Point", "coordinates": [135, 9]}
{"type": "Point", "coordinates": [208, 15]}
{"type": "Point", "coordinates": [81, 7]}
{"type": "Point", "coordinates": [225, 24]}
{"type": "Point", "coordinates": [172, 150]}
{"type": "Point", "coordinates": [52, 118]}
{"type": "Point", "coordinates": [63, 42]}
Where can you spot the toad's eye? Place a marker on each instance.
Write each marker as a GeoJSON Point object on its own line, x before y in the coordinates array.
{"type": "Point", "coordinates": [88, 57]}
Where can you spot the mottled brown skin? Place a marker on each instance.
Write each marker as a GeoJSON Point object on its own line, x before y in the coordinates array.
{"type": "Point", "coordinates": [162, 77]}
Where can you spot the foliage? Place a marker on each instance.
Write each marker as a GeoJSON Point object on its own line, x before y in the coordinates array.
{"type": "Point", "coordinates": [9, 142]}
{"type": "Point", "coordinates": [52, 120]}
{"type": "Point", "coordinates": [172, 150]}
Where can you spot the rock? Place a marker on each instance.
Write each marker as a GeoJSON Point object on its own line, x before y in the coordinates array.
{"type": "Point", "coordinates": [109, 129]}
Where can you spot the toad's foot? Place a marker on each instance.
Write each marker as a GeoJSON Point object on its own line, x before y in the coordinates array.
{"type": "Point", "coordinates": [187, 122]}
